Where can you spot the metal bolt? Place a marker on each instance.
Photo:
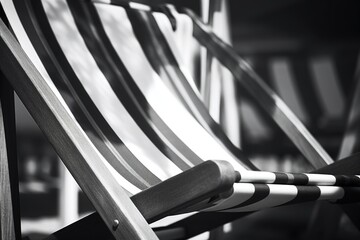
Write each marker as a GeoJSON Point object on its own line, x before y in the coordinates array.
{"type": "Point", "coordinates": [115, 224]}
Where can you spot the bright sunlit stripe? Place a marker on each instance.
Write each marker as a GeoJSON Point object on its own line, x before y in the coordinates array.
{"type": "Point", "coordinates": [102, 94]}
{"type": "Point", "coordinates": [139, 6]}
{"type": "Point", "coordinates": [172, 112]}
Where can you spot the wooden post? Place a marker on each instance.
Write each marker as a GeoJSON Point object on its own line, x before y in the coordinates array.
{"type": "Point", "coordinates": [9, 187]}
{"type": "Point", "coordinates": [10, 227]}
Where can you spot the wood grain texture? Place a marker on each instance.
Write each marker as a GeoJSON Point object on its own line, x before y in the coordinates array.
{"type": "Point", "coordinates": [177, 194]}
{"type": "Point", "coordinates": [8, 134]}
{"type": "Point", "coordinates": [262, 94]}
{"type": "Point", "coordinates": [7, 229]}
{"type": "Point", "coordinates": [8, 108]}
{"type": "Point", "coordinates": [204, 181]}
{"type": "Point", "coordinates": [78, 154]}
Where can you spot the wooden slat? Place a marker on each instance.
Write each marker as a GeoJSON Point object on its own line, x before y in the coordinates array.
{"type": "Point", "coordinates": [200, 183]}
{"type": "Point", "coordinates": [7, 121]}
{"type": "Point", "coordinates": [79, 155]}
{"type": "Point", "coordinates": [7, 95]}
{"type": "Point", "coordinates": [7, 228]}
{"type": "Point", "coordinates": [261, 93]}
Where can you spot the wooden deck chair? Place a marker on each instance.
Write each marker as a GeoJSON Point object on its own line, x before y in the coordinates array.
{"type": "Point", "coordinates": [328, 92]}
{"type": "Point", "coordinates": [149, 36]}
{"type": "Point", "coordinates": [118, 139]}
{"type": "Point", "coordinates": [148, 44]}
{"type": "Point", "coordinates": [166, 59]}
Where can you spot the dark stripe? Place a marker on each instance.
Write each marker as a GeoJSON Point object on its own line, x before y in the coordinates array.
{"type": "Point", "coordinates": [128, 161]}
{"type": "Point", "coordinates": [351, 195]}
{"type": "Point", "coordinates": [130, 84]}
{"type": "Point", "coordinates": [305, 194]}
{"type": "Point", "coordinates": [237, 176]}
{"type": "Point", "coordinates": [90, 27]}
{"type": "Point", "coordinates": [146, 36]}
{"type": "Point", "coordinates": [300, 179]}
{"type": "Point", "coordinates": [37, 27]}
{"type": "Point", "coordinates": [343, 180]}
{"type": "Point", "coordinates": [261, 192]}
{"type": "Point", "coordinates": [162, 59]}
{"type": "Point", "coordinates": [281, 178]}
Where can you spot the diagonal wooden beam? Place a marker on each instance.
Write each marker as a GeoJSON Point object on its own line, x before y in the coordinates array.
{"type": "Point", "coordinates": [77, 152]}
{"type": "Point", "coordinates": [9, 183]}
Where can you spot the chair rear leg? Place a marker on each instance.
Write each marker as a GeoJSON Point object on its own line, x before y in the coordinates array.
{"type": "Point", "coordinates": [9, 197]}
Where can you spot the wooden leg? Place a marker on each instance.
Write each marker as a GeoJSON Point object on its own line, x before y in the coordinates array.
{"type": "Point", "coordinates": [9, 197]}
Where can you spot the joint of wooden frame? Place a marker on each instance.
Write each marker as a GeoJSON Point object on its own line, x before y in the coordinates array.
{"type": "Point", "coordinates": [198, 186]}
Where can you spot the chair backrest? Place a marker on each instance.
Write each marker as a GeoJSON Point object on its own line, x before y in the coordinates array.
{"type": "Point", "coordinates": [72, 145]}
{"type": "Point", "coordinates": [121, 114]}
{"type": "Point", "coordinates": [302, 138]}
{"type": "Point", "coordinates": [308, 80]}
{"type": "Point", "coordinates": [153, 31]}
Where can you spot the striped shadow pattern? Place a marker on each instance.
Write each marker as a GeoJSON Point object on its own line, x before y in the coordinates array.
{"type": "Point", "coordinates": [273, 105]}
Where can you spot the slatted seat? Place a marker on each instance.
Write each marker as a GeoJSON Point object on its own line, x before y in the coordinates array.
{"type": "Point", "coordinates": [120, 130]}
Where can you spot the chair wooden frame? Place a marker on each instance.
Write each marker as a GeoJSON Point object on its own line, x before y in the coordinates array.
{"type": "Point", "coordinates": [10, 227]}
{"type": "Point", "coordinates": [63, 132]}
{"type": "Point", "coordinates": [123, 217]}
{"type": "Point", "coordinates": [9, 199]}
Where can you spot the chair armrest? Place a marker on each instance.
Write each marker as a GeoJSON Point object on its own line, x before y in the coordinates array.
{"type": "Point", "coordinates": [207, 180]}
